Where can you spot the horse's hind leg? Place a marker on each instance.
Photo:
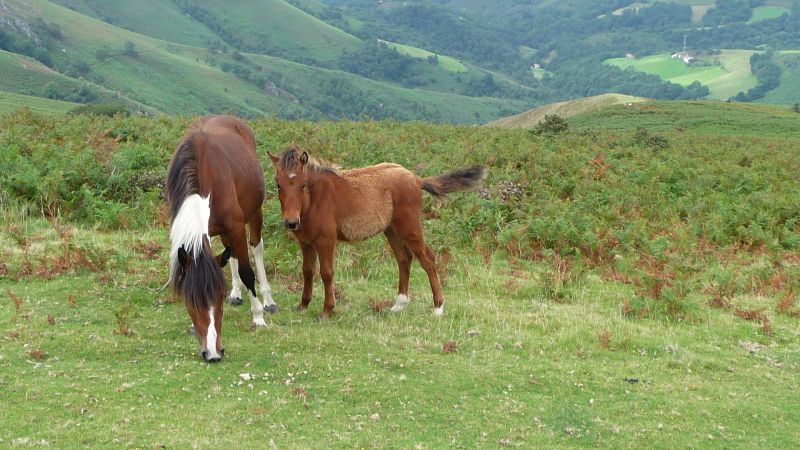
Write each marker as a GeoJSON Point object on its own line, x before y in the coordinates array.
{"type": "Point", "coordinates": [404, 256]}
{"type": "Point", "coordinates": [411, 232]}
{"type": "Point", "coordinates": [257, 246]}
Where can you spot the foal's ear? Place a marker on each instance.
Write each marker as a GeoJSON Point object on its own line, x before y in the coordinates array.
{"type": "Point", "coordinates": [304, 158]}
{"type": "Point", "coordinates": [273, 157]}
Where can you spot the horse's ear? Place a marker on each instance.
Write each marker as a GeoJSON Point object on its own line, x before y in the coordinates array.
{"type": "Point", "coordinates": [273, 158]}
{"type": "Point", "coordinates": [183, 257]}
{"type": "Point", "coordinates": [304, 158]}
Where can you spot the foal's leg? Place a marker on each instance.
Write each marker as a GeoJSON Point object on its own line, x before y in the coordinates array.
{"type": "Point", "coordinates": [245, 272]}
{"type": "Point", "coordinates": [412, 233]}
{"type": "Point", "coordinates": [257, 247]}
{"type": "Point", "coordinates": [309, 264]}
{"type": "Point", "coordinates": [403, 255]}
{"type": "Point", "coordinates": [326, 249]}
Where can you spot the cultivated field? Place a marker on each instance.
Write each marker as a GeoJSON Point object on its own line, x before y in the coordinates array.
{"type": "Point", "coordinates": [629, 283]}
{"type": "Point", "coordinates": [726, 75]}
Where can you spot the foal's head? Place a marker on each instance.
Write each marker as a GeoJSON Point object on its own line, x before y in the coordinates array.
{"type": "Point", "coordinates": [291, 176]}
{"type": "Point", "coordinates": [202, 283]}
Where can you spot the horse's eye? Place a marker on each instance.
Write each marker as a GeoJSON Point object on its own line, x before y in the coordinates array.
{"type": "Point", "coordinates": [279, 188]}
{"type": "Point", "coordinates": [303, 187]}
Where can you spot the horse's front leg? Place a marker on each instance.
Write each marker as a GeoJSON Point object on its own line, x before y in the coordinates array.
{"type": "Point", "coordinates": [309, 265]}
{"type": "Point", "coordinates": [326, 250]}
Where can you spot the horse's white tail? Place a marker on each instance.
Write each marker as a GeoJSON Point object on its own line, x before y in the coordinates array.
{"type": "Point", "coordinates": [189, 230]}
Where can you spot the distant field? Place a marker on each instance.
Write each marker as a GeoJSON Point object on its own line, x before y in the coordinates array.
{"type": "Point", "coordinates": [767, 12]}
{"type": "Point", "coordinates": [10, 102]}
{"type": "Point", "coordinates": [445, 62]}
{"type": "Point", "coordinates": [724, 80]}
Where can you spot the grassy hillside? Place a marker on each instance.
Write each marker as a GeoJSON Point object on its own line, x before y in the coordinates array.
{"type": "Point", "coordinates": [601, 292]}
{"type": "Point", "coordinates": [267, 26]}
{"type": "Point", "coordinates": [186, 80]}
{"type": "Point", "coordinates": [702, 117]}
{"type": "Point", "coordinates": [725, 75]}
{"type": "Point", "coordinates": [786, 92]}
{"type": "Point", "coordinates": [445, 62]}
{"type": "Point", "coordinates": [12, 102]}
{"type": "Point", "coordinates": [570, 108]}
{"type": "Point", "coordinates": [155, 18]}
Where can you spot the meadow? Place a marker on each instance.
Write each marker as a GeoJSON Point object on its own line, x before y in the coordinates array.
{"type": "Point", "coordinates": [726, 74]}
{"type": "Point", "coordinates": [630, 282]}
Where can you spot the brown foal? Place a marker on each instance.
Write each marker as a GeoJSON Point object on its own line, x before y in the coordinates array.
{"type": "Point", "coordinates": [322, 205]}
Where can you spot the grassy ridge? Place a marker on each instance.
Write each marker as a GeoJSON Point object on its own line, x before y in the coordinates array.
{"type": "Point", "coordinates": [183, 79]}
{"type": "Point", "coordinates": [11, 102]}
{"type": "Point", "coordinates": [156, 18]}
{"type": "Point", "coordinates": [571, 108]}
{"type": "Point", "coordinates": [447, 62]}
{"type": "Point", "coordinates": [597, 293]}
{"type": "Point", "coordinates": [275, 24]}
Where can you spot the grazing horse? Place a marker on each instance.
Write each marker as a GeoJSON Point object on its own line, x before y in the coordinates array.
{"type": "Point", "coordinates": [215, 186]}
{"type": "Point", "coordinates": [322, 205]}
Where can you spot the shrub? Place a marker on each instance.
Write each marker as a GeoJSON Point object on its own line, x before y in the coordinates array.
{"type": "Point", "coordinates": [552, 124]}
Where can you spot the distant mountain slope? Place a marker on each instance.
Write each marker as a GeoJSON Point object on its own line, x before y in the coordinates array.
{"type": "Point", "coordinates": [183, 79]}
{"type": "Point", "coordinates": [571, 108]}
{"type": "Point", "coordinates": [12, 102]}
{"type": "Point", "coordinates": [274, 27]}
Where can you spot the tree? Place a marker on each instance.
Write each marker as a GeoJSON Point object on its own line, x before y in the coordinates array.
{"type": "Point", "coordinates": [130, 49]}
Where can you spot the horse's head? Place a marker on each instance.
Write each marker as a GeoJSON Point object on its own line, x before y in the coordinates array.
{"type": "Point", "coordinates": [203, 286]}
{"type": "Point", "coordinates": [291, 177]}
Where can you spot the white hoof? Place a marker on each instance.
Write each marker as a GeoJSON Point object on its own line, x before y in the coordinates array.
{"type": "Point", "coordinates": [438, 312]}
{"type": "Point", "coordinates": [400, 303]}
{"type": "Point", "coordinates": [259, 323]}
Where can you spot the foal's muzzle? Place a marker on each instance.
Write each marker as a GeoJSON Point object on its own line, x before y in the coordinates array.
{"type": "Point", "coordinates": [292, 224]}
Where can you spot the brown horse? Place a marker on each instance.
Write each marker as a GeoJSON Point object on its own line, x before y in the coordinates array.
{"type": "Point", "coordinates": [322, 205]}
{"type": "Point", "coordinates": [215, 186]}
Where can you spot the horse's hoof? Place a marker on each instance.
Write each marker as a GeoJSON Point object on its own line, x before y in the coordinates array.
{"type": "Point", "coordinates": [258, 323]}
{"type": "Point", "coordinates": [397, 308]}
{"type": "Point", "coordinates": [192, 331]}
{"type": "Point", "coordinates": [235, 301]}
{"type": "Point", "coordinates": [272, 309]}
{"type": "Point", "coordinates": [438, 312]}
{"type": "Point", "coordinates": [301, 308]}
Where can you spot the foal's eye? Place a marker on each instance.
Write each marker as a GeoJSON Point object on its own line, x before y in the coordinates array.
{"type": "Point", "coordinates": [303, 187]}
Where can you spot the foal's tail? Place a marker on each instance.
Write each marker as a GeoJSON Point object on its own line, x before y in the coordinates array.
{"type": "Point", "coordinates": [466, 179]}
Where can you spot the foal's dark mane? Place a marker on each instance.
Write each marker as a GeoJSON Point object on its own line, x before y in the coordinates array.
{"type": "Point", "coordinates": [204, 280]}
{"type": "Point", "coordinates": [289, 160]}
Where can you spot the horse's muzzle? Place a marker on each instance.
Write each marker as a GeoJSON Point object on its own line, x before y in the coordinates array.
{"type": "Point", "coordinates": [292, 224]}
{"type": "Point", "coordinates": [214, 359]}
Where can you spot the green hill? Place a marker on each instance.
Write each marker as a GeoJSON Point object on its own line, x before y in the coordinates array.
{"type": "Point", "coordinates": [277, 27]}
{"type": "Point", "coordinates": [12, 102]}
{"type": "Point", "coordinates": [725, 74]}
{"type": "Point", "coordinates": [183, 79]}
{"type": "Point", "coordinates": [570, 108]}
{"type": "Point", "coordinates": [156, 18]}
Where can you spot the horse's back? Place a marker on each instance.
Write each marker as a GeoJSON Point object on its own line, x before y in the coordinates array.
{"type": "Point", "coordinates": [230, 169]}
{"type": "Point", "coordinates": [376, 193]}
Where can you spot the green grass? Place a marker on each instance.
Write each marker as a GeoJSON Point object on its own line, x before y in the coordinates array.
{"type": "Point", "coordinates": [275, 24]}
{"type": "Point", "coordinates": [446, 62]}
{"type": "Point", "coordinates": [560, 340]}
{"type": "Point", "coordinates": [182, 79]}
{"type": "Point", "coordinates": [767, 12]}
{"type": "Point", "coordinates": [571, 108]}
{"type": "Point", "coordinates": [155, 18]}
{"type": "Point", "coordinates": [786, 93]}
{"type": "Point", "coordinates": [728, 78]}
{"type": "Point", "coordinates": [10, 102]}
